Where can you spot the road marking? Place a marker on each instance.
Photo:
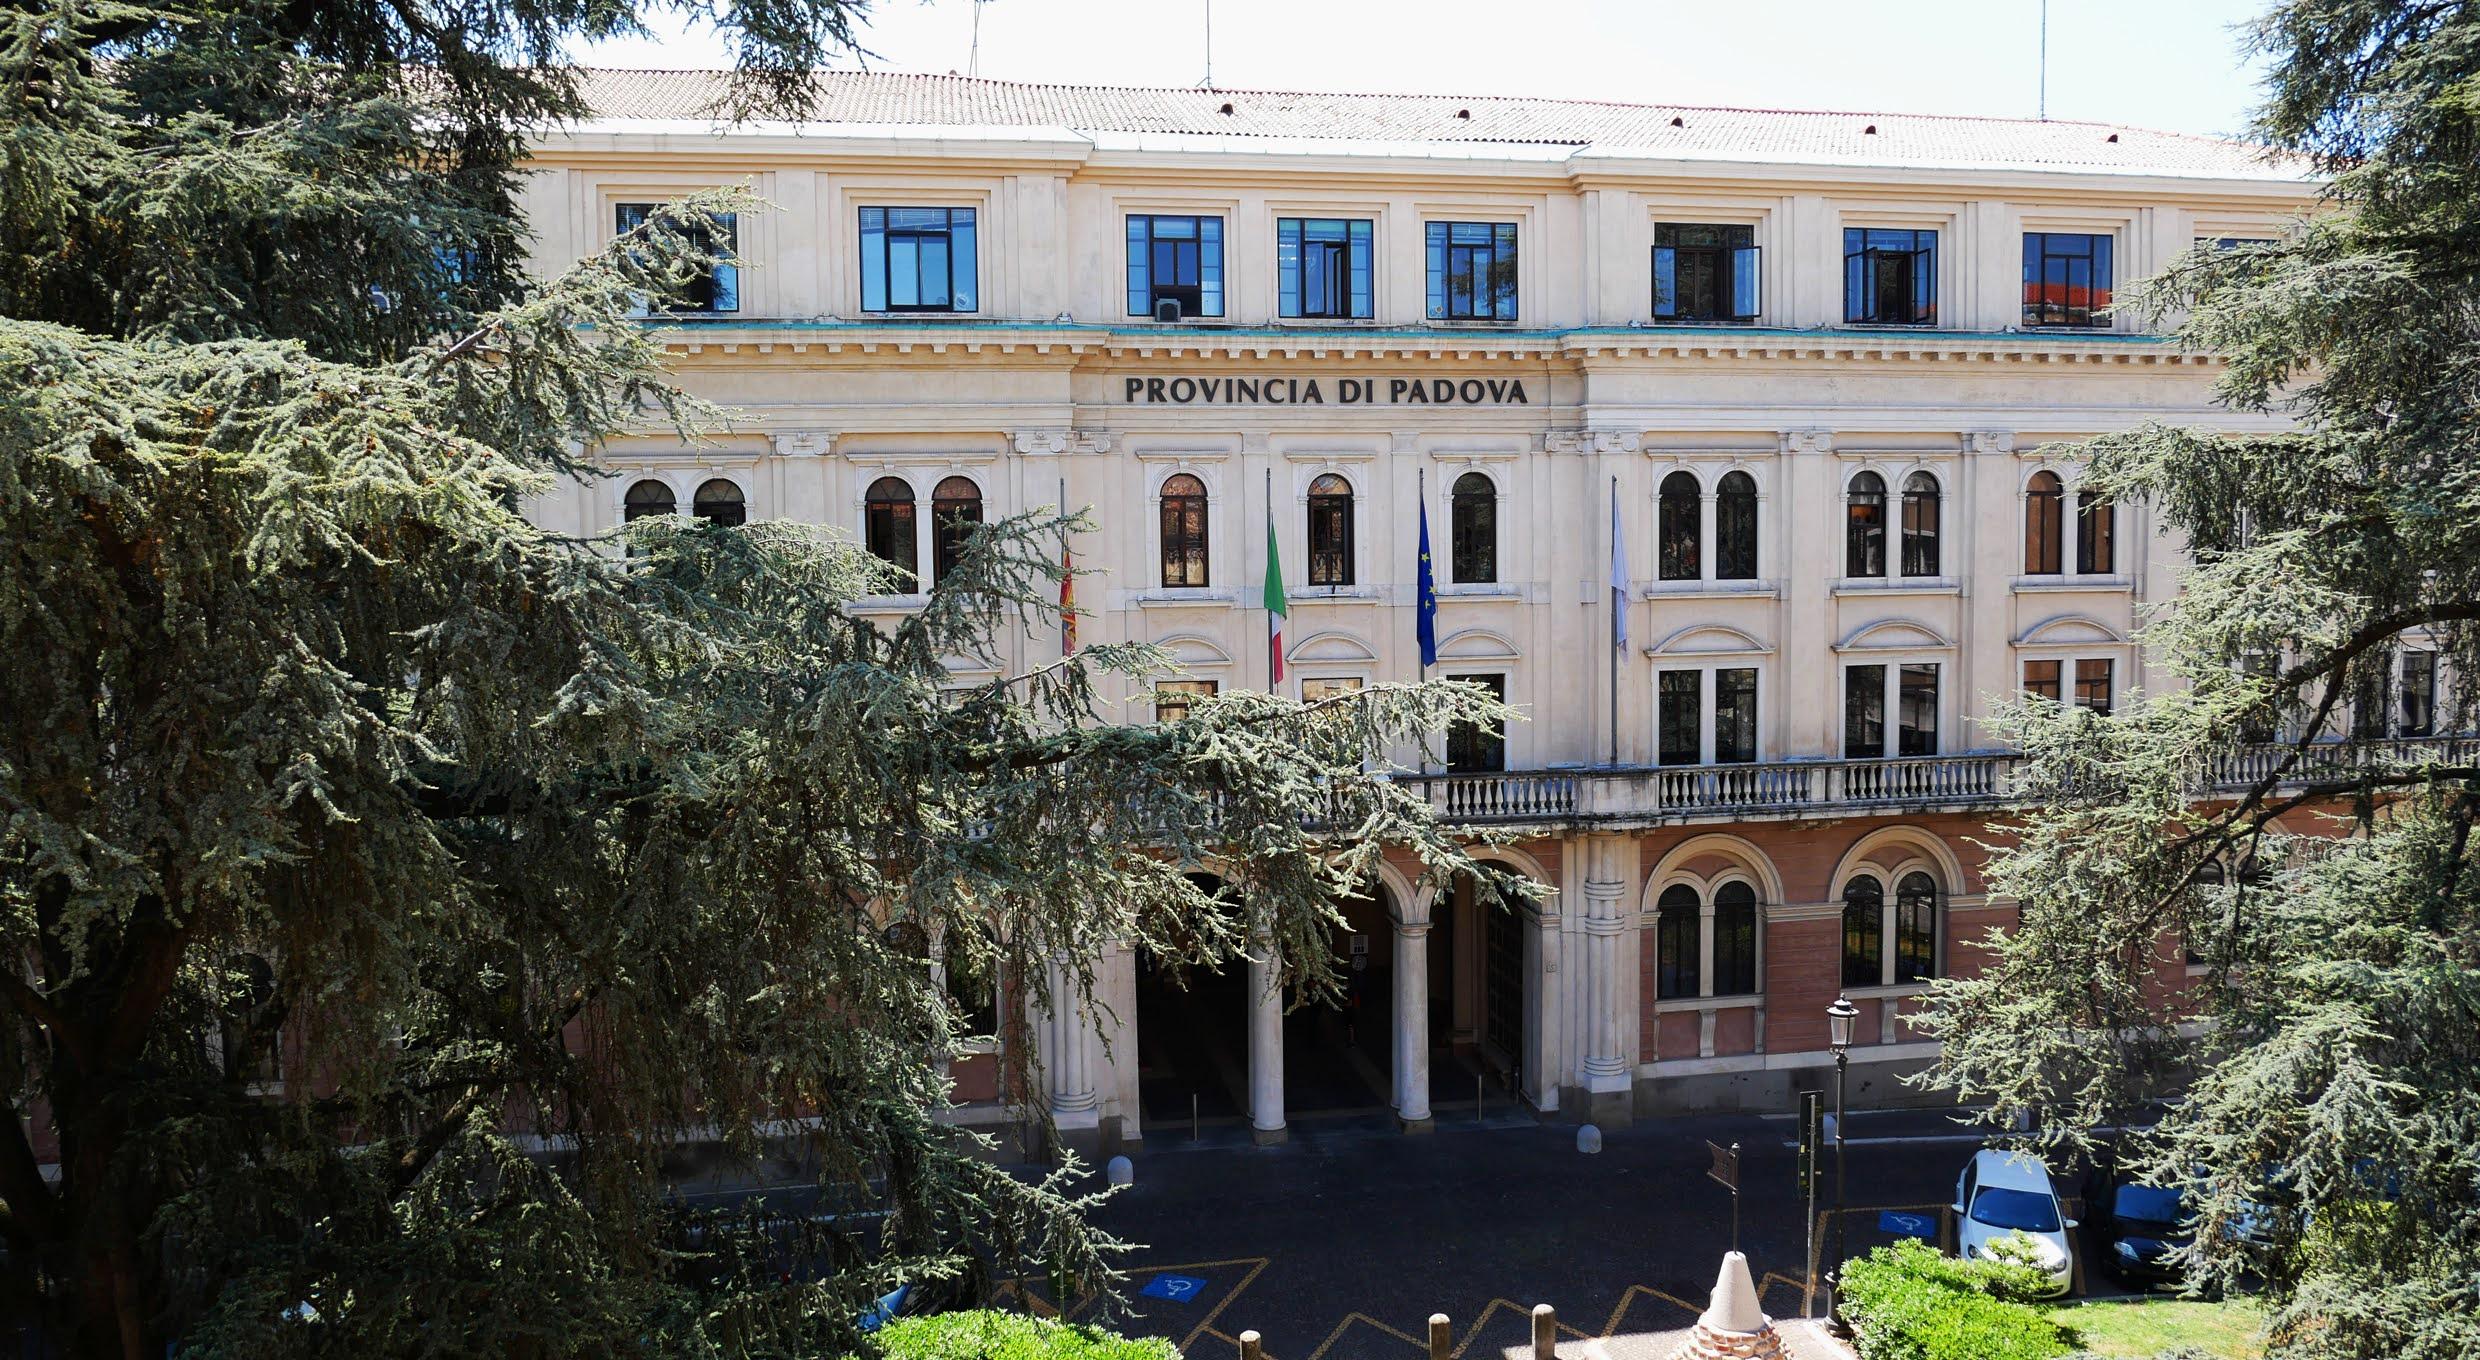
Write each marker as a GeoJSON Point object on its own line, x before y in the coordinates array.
{"type": "Point", "coordinates": [1177, 1288]}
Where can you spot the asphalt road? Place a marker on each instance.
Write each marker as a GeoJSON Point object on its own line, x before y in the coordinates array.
{"type": "Point", "coordinates": [1343, 1241]}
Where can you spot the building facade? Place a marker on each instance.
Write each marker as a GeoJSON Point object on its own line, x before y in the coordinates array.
{"type": "Point", "coordinates": [1736, 437]}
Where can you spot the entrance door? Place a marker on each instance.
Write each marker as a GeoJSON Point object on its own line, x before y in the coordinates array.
{"type": "Point", "coordinates": [1502, 982]}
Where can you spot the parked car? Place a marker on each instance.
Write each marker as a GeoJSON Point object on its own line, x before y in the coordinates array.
{"type": "Point", "coordinates": [2009, 1194]}
{"type": "Point", "coordinates": [2140, 1226]}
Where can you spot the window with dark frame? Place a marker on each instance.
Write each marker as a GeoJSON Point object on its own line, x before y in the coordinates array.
{"type": "Point", "coordinates": [717, 287]}
{"type": "Point", "coordinates": [1864, 712]}
{"type": "Point", "coordinates": [2092, 684]}
{"type": "Point", "coordinates": [918, 260]}
{"type": "Point", "coordinates": [2041, 679]}
{"type": "Point", "coordinates": [2067, 278]}
{"type": "Point", "coordinates": [1735, 715]}
{"type": "Point", "coordinates": [1678, 924]}
{"type": "Point", "coordinates": [1678, 508]}
{"type": "Point", "coordinates": [2096, 533]}
{"type": "Point", "coordinates": [1864, 533]}
{"type": "Point", "coordinates": [1916, 700]}
{"type": "Point", "coordinates": [1735, 527]}
{"type": "Point", "coordinates": [1920, 525]}
{"type": "Point", "coordinates": [1704, 272]}
{"type": "Point", "coordinates": [1173, 699]}
{"type": "Point", "coordinates": [1864, 923]}
{"type": "Point", "coordinates": [1735, 939]}
{"type": "Point", "coordinates": [1330, 531]}
{"type": "Point", "coordinates": [2419, 693]}
{"type": "Point", "coordinates": [1472, 525]}
{"type": "Point", "coordinates": [1183, 531]}
{"type": "Point", "coordinates": [1915, 929]}
{"type": "Point", "coordinates": [1889, 277]}
{"type": "Point", "coordinates": [1321, 267]}
{"type": "Point", "coordinates": [2044, 504]}
{"type": "Point", "coordinates": [1478, 747]}
{"type": "Point", "coordinates": [1472, 271]}
{"type": "Point", "coordinates": [2262, 721]}
{"type": "Point", "coordinates": [955, 511]}
{"type": "Point", "coordinates": [719, 501]}
{"type": "Point", "coordinates": [1177, 259]}
{"type": "Point", "coordinates": [646, 498]}
{"type": "Point", "coordinates": [888, 530]}
{"type": "Point", "coordinates": [1680, 718]}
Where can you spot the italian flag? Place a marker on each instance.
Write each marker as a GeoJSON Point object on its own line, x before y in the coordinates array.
{"type": "Point", "coordinates": [1276, 605]}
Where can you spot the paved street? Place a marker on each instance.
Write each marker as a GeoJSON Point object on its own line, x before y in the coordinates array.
{"type": "Point", "coordinates": [1343, 1241]}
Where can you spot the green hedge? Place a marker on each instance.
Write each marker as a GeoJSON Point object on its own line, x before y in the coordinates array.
{"type": "Point", "coordinates": [1908, 1302]}
{"type": "Point", "coordinates": [987, 1335]}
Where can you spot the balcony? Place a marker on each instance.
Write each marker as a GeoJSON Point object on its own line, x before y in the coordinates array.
{"type": "Point", "coordinates": [1640, 796]}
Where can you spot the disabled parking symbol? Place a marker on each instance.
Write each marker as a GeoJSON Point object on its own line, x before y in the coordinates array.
{"type": "Point", "coordinates": [1177, 1288]}
{"type": "Point", "coordinates": [1906, 1225]}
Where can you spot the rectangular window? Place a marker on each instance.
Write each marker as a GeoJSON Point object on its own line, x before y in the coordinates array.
{"type": "Point", "coordinates": [1918, 713]}
{"type": "Point", "coordinates": [1175, 259]}
{"type": "Point", "coordinates": [1704, 272]}
{"type": "Point", "coordinates": [1735, 716]}
{"type": "Point", "coordinates": [2092, 683]}
{"type": "Point", "coordinates": [1889, 277]}
{"type": "Point", "coordinates": [1315, 688]}
{"type": "Point", "coordinates": [917, 260]}
{"type": "Point", "coordinates": [2066, 279]}
{"type": "Point", "coordinates": [1864, 712]}
{"type": "Point", "coordinates": [1677, 953]}
{"type": "Point", "coordinates": [2419, 694]}
{"type": "Point", "coordinates": [1472, 271]}
{"type": "Point", "coordinates": [718, 288]}
{"type": "Point", "coordinates": [2041, 679]}
{"type": "Point", "coordinates": [1478, 748]}
{"type": "Point", "coordinates": [1174, 698]}
{"type": "Point", "coordinates": [1735, 948]}
{"type": "Point", "coordinates": [1322, 267]}
{"type": "Point", "coordinates": [1682, 718]}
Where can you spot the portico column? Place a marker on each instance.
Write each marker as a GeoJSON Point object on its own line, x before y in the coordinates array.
{"type": "Point", "coordinates": [1412, 1026]}
{"type": "Point", "coordinates": [1265, 1042]}
{"type": "Point", "coordinates": [1608, 1069]}
{"type": "Point", "coordinates": [1067, 1051]}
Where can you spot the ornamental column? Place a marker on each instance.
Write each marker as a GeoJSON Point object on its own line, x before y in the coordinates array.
{"type": "Point", "coordinates": [1068, 1042]}
{"type": "Point", "coordinates": [1412, 1022]}
{"type": "Point", "coordinates": [1265, 983]}
{"type": "Point", "coordinates": [1608, 1070]}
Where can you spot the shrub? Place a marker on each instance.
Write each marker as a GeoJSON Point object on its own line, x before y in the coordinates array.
{"type": "Point", "coordinates": [1908, 1302]}
{"type": "Point", "coordinates": [990, 1335]}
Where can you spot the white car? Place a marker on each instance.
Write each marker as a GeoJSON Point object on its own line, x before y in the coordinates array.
{"type": "Point", "coordinates": [2009, 1194]}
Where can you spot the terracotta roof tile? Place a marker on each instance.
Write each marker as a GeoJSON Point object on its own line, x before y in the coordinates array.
{"type": "Point", "coordinates": [881, 97]}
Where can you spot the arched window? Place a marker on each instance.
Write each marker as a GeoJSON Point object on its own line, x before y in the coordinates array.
{"type": "Point", "coordinates": [1915, 928]}
{"type": "Point", "coordinates": [2043, 500]}
{"type": "Point", "coordinates": [2096, 534]}
{"type": "Point", "coordinates": [1330, 530]}
{"type": "Point", "coordinates": [887, 527]}
{"type": "Point", "coordinates": [1735, 528]}
{"type": "Point", "coordinates": [718, 501]}
{"type": "Point", "coordinates": [1678, 528]}
{"type": "Point", "coordinates": [1735, 940]}
{"type": "Point", "coordinates": [1864, 918]}
{"type": "Point", "coordinates": [1864, 535]}
{"type": "Point", "coordinates": [1472, 523]}
{"type": "Point", "coordinates": [647, 498]}
{"type": "Point", "coordinates": [1183, 531]}
{"type": "Point", "coordinates": [1676, 928]}
{"type": "Point", "coordinates": [1920, 525]}
{"type": "Point", "coordinates": [955, 509]}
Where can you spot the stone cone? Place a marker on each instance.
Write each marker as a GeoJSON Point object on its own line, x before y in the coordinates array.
{"type": "Point", "coordinates": [1733, 1327]}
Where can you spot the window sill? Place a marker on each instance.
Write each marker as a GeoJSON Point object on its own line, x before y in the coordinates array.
{"type": "Point", "coordinates": [1479, 590]}
{"type": "Point", "coordinates": [1896, 992]}
{"type": "Point", "coordinates": [926, 314]}
{"type": "Point", "coordinates": [1851, 325]}
{"type": "Point", "coordinates": [1330, 322]}
{"type": "Point", "coordinates": [887, 604]}
{"type": "Point", "coordinates": [1708, 589]}
{"type": "Point", "coordinates": [2055, 584]}
{"type": "Point", "coordinates": [1745, 1001]}
{"type": "Point", "coordinates": [1183, 595]}
{"type": "Point", "coordinates": [1471, 323]}
{"type": "Point", "coordinates": [1897, 585]}
{"type": "Point", "coordinates": [1661, 321]}
{"type": "Point", "coordinates": [1336, 595]}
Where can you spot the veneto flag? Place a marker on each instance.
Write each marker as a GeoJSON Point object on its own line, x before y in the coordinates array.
{"type": "Point", "coordinates": [1277, 605]}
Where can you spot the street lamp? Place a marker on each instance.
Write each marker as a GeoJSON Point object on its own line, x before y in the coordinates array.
{"type": "Point", "coordinates": [1840, 1019]}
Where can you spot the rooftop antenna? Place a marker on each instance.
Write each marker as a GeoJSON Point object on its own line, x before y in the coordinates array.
{"type": "Point", "coordinates": [2044, 61]}
{"type": "Point", "coordinates": [1208, 82]}
{"type": "Point", "coordinates": [973, 63]}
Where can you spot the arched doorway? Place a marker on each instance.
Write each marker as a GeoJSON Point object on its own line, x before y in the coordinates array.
{"type": "Point", "coordinates": [1481, 992]}
{"type": "Point", "coordinates": [1337, 1056]}
{"type": "Point", "coordinates": [1192, 1040]}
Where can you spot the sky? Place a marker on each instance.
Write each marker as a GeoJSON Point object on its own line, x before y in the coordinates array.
{"type": "Point", "coordinates": [2170, 64]}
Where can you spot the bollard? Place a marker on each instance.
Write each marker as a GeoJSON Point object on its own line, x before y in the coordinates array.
{"type": "Point", "coordinates": [1441, 1340]}
{"type": "Point", "coordinates": [1121, 1171]}
{"type": "Point", "coordinates": [1193, 1126]}
{"type": "Point", "coordinates": [1545, 1332]}
{"type": "Point", "coordinates": [1248, 1346]}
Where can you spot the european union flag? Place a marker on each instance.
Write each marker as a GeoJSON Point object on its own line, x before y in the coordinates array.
{"type": "Point", "coordinates": [1425, 608]}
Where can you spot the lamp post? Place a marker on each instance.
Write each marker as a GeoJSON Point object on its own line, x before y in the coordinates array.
{"type": "Point", "coordinates": [1840, 1018]}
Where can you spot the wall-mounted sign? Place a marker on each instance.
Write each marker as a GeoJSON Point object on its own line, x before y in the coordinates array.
{"type": "Point", "coordinates": [1313, 392]}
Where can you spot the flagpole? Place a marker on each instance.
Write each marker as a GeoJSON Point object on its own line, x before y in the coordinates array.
{"type": "Point", "coordinates": [1617, 588]}
{"type": "Point", "coordinates": [1421, 503]}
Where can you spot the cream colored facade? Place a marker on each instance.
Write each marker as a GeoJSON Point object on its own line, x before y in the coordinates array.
{"type": "Point", "coordinates": [1044, 389]}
